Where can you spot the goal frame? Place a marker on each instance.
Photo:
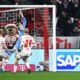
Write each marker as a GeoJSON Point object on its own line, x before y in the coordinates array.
{"type": "Point", "coordinates": [53, 24]}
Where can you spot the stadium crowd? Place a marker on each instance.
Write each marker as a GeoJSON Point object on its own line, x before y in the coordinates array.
{"type": "Point", "coordinates": [68, 18]}
{"type": "Point", "coordinates": [24, 2]}
{"type": "Point", "coordinates": [34, 17]}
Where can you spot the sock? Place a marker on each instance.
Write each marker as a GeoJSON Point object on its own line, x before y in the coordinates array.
{"type": "Point", "coordinates": [0, 64]}
{"type": "Point", "coordinates": [27, 64]}
{"type": "Point", "coordinates": [3, 68]}
{"type": "Point", "coordinates": [4, 62]}
{"type": "Point", "coordinates": [15, 68]}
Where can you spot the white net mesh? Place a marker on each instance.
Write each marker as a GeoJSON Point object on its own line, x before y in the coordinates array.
{"type": "Point", "coordinates": [35, 18]}
{"type": "Point", "coordinates": [36, 21]}
{"type": "Point", "coordinates": [39, 22]}
{"type": "Point", "coordinates": [8, 17]}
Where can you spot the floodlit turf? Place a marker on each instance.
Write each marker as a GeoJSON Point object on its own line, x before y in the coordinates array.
{"type": "Point", "coordinates": [40, 76]}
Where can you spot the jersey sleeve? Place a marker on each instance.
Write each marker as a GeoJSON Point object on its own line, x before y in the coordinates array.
{"type": "Point", "coordinates": [21, 30]}
{"type": "Point", "coordinates": [22, 41]}
{"type": "Point", "coordinates": [24, 21]}
{"type": "Point", "coordinates": [33, 42]}
{"type": "Point", "coordinates": [21, 38]}
{"type": "Point", "coordinates": [3, 40]}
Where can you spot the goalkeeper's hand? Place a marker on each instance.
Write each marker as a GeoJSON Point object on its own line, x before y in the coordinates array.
{"type": "Point", "coordinates": [21, 14]}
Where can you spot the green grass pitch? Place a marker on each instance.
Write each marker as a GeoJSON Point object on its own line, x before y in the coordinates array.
{"type": "Point", "coordinates": [40, 76]}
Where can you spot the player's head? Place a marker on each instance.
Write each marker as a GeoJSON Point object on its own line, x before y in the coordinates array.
{"type": "Point", "coordinates": [26, 30]}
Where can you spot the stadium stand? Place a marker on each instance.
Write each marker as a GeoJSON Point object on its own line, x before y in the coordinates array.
{"type": "Point", "coordinates": [68, 18]}
{"type": "Point", "coordinates": [26, 2]}
{"type": "Point", "coordinates": [34, 20]}
{"type": "Point", "coordinates": [39, 22]}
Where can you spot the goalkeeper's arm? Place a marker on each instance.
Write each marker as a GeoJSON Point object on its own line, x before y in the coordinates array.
{"type": "Point", "coordinates": [21, 14]}
{"type": "Point", "coordinates": [24, 21]}
{"type": "Point", "coordinates": [22, 24]}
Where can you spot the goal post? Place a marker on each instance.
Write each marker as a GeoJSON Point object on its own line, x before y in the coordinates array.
{"type": "Point", "coordinates": [39, 22]}
{"type": "Point", "coordinates": [46, 37]}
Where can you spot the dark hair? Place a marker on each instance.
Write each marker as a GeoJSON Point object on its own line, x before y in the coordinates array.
{"type": "Point", "coordinates": [26, 30]}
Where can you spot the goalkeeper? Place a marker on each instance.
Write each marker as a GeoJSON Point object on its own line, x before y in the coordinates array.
{"type": "Point", "coordinates": [21, 27]}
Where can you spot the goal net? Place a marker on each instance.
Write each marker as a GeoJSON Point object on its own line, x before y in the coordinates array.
{"type": "Point", "coordinates": [39, 22]}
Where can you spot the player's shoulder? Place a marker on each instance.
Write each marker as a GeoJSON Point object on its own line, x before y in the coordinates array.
{"type": "Point", "coordinates": [2, 38]}
{"type": "Point", "coordinates": [30, 36]}
{"type": "Point", "coordinates": [26, 36]}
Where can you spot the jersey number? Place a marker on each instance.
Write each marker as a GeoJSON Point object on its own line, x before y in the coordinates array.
{"type": "Point", "coordinates": [28, 43]}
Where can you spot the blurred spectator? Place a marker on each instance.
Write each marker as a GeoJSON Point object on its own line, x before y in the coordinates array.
{"type": "Point", "coordinates": [34, 2]}
{"type": "Point", "coordinates": [11, 2]}
{"type": "Point", "coordinates": [65, 5]}
{"type": "Point", "coordinates": [50, 2]}
{"type": "Point", "coordinates": [64, 24]}
{"type": "Point", "coordinates": [39, 2]}
{"type": "Point", "coordinates": [68, 13]}
{"type": "Point", "coordinates": [77, 27]}
{"type": "Point", "coordinates": [76, 8]}
{"type": "Point", "coordinates": [35, 22]}
{"type": "Point", "coordinates": [26, 2]}
{"type": "Point", "coordinates": [5, 2]}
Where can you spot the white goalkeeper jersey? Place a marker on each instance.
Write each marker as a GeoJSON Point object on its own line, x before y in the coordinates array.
{"type": "Point", "coordinates": [2, 41]}
{"type": "Point", "coordinates": [27, 42]}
